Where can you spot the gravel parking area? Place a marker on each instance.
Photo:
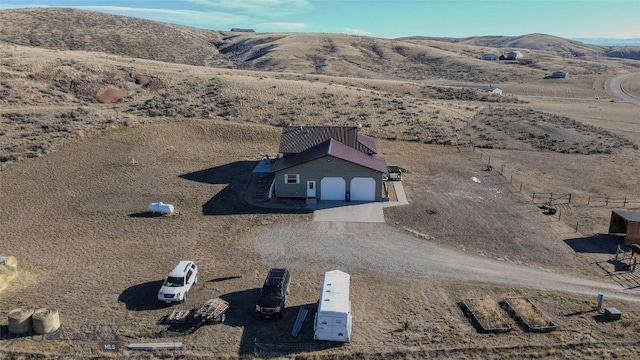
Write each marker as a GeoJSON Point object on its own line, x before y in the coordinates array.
{"type": "Point", "coordinates": [379, 248]}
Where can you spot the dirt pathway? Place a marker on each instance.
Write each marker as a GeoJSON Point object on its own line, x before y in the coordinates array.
{"type": "Point", "coordinates": [384, 249]}
{"type": "Point", "coordinates": [614, 87]}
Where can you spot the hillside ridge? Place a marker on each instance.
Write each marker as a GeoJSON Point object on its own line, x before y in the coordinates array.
{"type": "Point", "coordinates": [332, 54]}
{"type": "Point", "coordinates": [542, 42]}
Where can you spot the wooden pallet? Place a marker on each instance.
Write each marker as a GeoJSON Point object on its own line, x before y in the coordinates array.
{"type": "Point", "coordinates": [211, 311]}
{"type": "Point", "coordinates": [177, 317]}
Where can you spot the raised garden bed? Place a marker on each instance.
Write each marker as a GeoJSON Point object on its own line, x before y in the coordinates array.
{"type": "Point", "coordinates": [485, 314]}
{"type": "Point", "coordinates": [528, 315]}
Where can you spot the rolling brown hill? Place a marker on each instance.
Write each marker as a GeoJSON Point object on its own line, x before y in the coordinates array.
{"type": "Point", "coordinates": [543, 42]}
{"type": "Point", "coordinates": [61, 66]}
{"type": "Point", "coordinates": [329, 54]}
{"type": "Point", "coordinates": [72, 29]}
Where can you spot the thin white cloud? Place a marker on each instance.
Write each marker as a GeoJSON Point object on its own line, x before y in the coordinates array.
{"type": "Point", "coordinates": [17, 6]}
{"type": "Point", "coordinates": [357, 31]}
{"type": "Point", "coordinates": [263, 8]}
{"type": "Point", "coordinates": [283, 25]}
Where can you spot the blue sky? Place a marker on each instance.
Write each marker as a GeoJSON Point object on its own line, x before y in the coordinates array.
{"type": "Point", "coordinates": [384, 18]}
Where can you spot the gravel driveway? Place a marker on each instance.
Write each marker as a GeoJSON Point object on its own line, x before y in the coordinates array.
{"type": "Point", "coordinates": [383, 249]}
{"type": "Point", "coordinates": [614, 87]}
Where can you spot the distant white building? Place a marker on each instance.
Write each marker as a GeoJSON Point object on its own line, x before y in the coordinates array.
{"type": "Point", "coordinates": [491, 89]}
{"type": "Point", "coordinates": [514, 55]}
{"type": "Point", "coordinates": [490, 57]}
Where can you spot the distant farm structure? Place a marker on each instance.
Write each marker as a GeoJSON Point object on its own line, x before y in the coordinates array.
{"type": "Point", "coordinates": [511, 56]}
{"type": "Point", "coordinates": [242, 30]}
{"type": "Point", "coordinates": [490, 57]}
{"type": "Point", "coordinates": [514, 55]}
{"type": "Point", "coordinates": [491, 89]}
{"type": "Point", "coordinates": [626, 222]}
{"type": "Point", "coordinates": [560, 74]}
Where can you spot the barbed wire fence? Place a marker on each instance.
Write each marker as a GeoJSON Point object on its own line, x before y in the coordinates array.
{"type": "Point", "coordinates": [560, 200]}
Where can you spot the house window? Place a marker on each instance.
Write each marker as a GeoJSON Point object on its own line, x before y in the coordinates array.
{"type": "Point", "coordinates": [291, 178]}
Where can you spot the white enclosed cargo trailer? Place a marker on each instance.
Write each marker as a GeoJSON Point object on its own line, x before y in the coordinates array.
{"type": "Point", "coordinates": [333, 320]}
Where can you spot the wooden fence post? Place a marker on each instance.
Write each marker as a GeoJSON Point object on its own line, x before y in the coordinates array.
{"type": "Point", "coordinates": [606, 201]}
{"type": "Point", "coordinates": [520, 187]}
{"type": "Point", "coordinates": [576, 226]}
{"type": "Point", "coordinates": [570, 198]}
{"type": "Point", "coordinates": [502, 170]}
{"type": "Point", "coordinates": [559, 214]}
{"type": "Point", "coordinates": [589, 200]}
{"type": "Point", "coordinates": [624, 204]}
{"type": "Point", "coordinates": [511, 179]}
{"type": "Point", "coordinates": [550, 197]}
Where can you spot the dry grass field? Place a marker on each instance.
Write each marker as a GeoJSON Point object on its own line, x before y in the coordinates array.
{"type": "Point", "coordinates": [94, 127]}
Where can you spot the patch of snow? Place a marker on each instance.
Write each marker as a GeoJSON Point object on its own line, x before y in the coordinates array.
{"type": "Point", "coordinates": [475, 179]}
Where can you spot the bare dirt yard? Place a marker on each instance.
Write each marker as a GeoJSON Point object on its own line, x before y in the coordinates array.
{"type": "Point", "coordinates": [76, 219]}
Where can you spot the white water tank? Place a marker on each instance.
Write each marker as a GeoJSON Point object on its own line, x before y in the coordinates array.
{"type": "Point", "coordinates": [161, 207]}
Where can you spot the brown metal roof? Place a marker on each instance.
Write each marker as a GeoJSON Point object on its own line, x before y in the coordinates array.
{"type": "Point", "coordinates": [628, 215]}
{"type": "Point", "coordinates": [368, 142]}
{"type": "Point", "coordinates": [296, 139]}
{"type": "Point", "coordinates": [333, 148]}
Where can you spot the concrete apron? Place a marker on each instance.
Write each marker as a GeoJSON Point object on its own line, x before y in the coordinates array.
{"type": "Point", "coordinates": [355, 211]}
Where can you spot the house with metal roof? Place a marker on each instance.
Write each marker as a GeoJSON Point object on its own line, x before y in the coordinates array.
{"type": "Point", "coordinates": [514, 55]}
{"type": "Point", "coordinates": [560, 74]}
{"type": "Point", "coordinates": [626, 222]}
{"type": "Point", "coordinates": [328, 163]}
{"type": "Point", "coordinates": [490, 57]}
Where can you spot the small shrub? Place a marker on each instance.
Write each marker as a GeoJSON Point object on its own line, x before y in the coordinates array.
{"type": "Point", "coordinates": [406, 325]}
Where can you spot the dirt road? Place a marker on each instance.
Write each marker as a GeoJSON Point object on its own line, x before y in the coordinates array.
{"type": "Point", "coordinates": [387, 250]}
{"type": "Point", "coordinates": [614, 87]}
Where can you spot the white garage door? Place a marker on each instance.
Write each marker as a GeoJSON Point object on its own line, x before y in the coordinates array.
{"type": "Point", "coordinates": [332, 188]}
{"type": "Point", "coordinates": [363, 189]}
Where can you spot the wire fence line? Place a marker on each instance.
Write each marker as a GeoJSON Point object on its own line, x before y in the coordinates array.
{"type": "Point", "coordinates": [291, 348]}
{"type": "Point", "coordinates": [593, 200]}
{"type": "Point", "coordinates": [559, 198]}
